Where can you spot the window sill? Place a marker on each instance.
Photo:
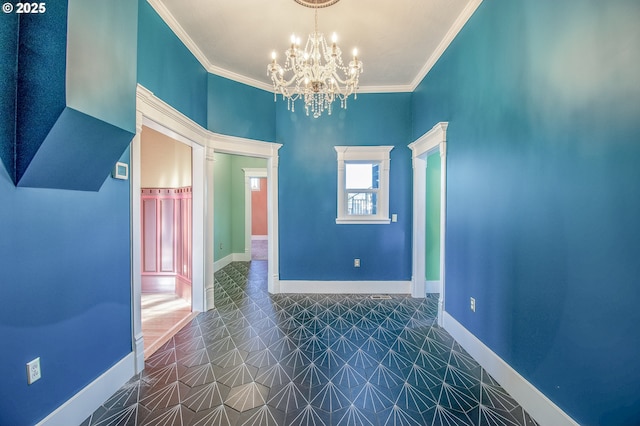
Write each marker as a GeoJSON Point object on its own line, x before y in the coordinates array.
{"type": "Point", "coordinates": [360, 220]}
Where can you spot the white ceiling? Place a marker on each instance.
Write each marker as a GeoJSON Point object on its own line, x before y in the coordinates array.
{"type": "Point", "coordinates": [398, 40]}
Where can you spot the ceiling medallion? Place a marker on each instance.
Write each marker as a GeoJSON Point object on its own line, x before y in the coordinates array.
{"type": "Point", "coordinates": [315, 74]}
{"type": "Point", "coordinates": [315, 4]}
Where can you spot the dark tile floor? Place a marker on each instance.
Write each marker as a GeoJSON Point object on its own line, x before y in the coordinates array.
{"type": "Point", "coordinates": [261, 359]}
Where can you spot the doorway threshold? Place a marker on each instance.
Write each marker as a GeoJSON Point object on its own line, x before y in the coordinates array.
{"type": "Point", "coordinates": [163, 315]}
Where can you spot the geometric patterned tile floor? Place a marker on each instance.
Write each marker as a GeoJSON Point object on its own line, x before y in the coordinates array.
{"type": "Point", "coordinates": [271, 360]}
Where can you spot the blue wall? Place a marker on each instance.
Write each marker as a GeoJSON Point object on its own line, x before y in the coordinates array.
{"type": "Point", "coordinates": [312, 246]}
{"type": "Point", "coordinates": [543, 101]}
{"type": "Point", "coordinates": [65, 255]}
{"type": "Point", "coordinates": [66, 292]}
{"type": "Point", "coordinates": [167, 67]}
{"type": "Point", "coordinates": [239, 110]}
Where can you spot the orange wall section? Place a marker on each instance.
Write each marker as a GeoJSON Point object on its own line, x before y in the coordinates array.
{"type": "Point", "coordinates": [259, 209]}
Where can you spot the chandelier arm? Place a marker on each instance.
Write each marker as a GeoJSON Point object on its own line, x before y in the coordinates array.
{"type": "Point", "coordinates": [287, 83]}
{"type": "Point", "coordinates": [340, 80]}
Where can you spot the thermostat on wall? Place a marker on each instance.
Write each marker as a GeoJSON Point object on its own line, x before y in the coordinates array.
{"type": "Point", "coordinates": [121, 171]}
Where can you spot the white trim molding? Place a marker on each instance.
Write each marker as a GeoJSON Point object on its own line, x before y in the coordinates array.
{"type": "Point", "coordinates": [177, 29]}
{"type": "Point", "coordinates": [233, 257]}
{"type": "Point", "coordinates": [541, 408]}
{"type": "Point", "coordinates": [219, 264]}
{"type": "Point", "coordinates": [209, 252]}
{"type": "Point", "coordinates": [154, 113]}
{"type": "Point", "coordinates": [455, 28]}
{"type": "Point", "coordinates": [345, 287]}
{"type": "Point", "coordinates": [80, 406]}
{"type": "Point", "coordinates": [432, 286]}
{"type": "Point", "coordinates": [434, 139]}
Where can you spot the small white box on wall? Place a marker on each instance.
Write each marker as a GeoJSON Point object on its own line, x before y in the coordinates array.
{"type": "Point", "coordinates": [120, 171]}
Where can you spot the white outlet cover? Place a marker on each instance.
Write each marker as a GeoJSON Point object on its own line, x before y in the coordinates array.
{"type": "Point", "coordinates": [33, 371]}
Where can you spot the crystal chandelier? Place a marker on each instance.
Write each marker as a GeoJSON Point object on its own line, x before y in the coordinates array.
{"type": "Point", "coordinates": [316, 73]}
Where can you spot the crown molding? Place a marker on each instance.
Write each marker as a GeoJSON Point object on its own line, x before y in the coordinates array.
{"type": "Point", "coordinates": [458, 24]}
{"type": "Point", "coordinates": [177, 29]}
{"type": "Point", "coordinates": [240, 78]}
{"type": "Point", "coordinates": [184, 37]}
{"type": "Point", "coordinates": [385, 89]}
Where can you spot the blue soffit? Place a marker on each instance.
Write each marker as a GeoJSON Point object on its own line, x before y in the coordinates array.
{"type": "Point", "coordinates": [8, 84]}
{"type": "Point", "coordinates": [74, 103]}
{"type": "Point", "coordinates": [78, 153]}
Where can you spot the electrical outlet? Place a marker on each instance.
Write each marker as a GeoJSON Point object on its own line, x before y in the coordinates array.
{"type": "Point", "coordinates": [356, 263]}
{"type": "Point", "coordinates": [473, 304]}
{"type": "Point", "coordinates": [33, 371]}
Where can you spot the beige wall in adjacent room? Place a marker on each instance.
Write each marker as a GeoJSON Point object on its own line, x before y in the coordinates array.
{"type": "Point", "coordinates": [165, 163]}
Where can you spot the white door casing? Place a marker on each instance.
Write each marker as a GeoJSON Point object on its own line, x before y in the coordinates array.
{"type": "Point", "coordinates": [155, 113]}
{"type": "Point", "coordinates": [434, 139]}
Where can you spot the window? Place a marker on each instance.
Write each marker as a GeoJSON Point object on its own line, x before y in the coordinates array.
{"type": "Point", "coordinates": [363, 184]}
{"type": "Point", "coordinates": [254, 182]}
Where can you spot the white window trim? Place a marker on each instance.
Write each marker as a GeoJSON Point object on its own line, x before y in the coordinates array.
{"type": "Point", "coordinates": [379, 154]}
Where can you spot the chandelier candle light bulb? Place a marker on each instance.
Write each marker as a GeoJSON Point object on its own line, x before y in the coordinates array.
{"type": "Point", "coordinates": [315, 74]}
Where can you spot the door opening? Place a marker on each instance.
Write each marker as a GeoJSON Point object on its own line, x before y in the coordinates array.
{"type": "Point", "coordinates": [166, 240]}
{"type": "Point", "coordinates": [432, 144]}
{"type": "Point", "coordinates": [259, 218]}
{"type": "Point", "coordinates": [256, 214]}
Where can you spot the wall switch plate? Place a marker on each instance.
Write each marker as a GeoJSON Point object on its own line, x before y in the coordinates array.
{"type": "Point", "coordinates": [473, 304]}
{"type": "Point", "coordinates": [356, 263]}
{"type": "Point", "coordinates": [394, 217]}
{"type": "Point", "coordinates": [33, 371]}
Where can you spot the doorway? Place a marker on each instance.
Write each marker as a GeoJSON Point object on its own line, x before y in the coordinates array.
{"type": "Point", "coordinates": [432, 144]}
{"type": "Point", "coordinates": [256, 213]}
{"type": "Point", "coordinates": [155, 113]}
{"type": "Point", "coordinates": [166, 179]}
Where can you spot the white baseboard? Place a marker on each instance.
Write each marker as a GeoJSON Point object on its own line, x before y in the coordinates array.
{"type": "Point", "coordinates": [80, 406]}
{"type": "Point", "coordinates": [432, 286]}
{"type": "Point", "coordinates": [233, 257]}
{"type": "Point", "coordinates": [138, 350]}
{"type": "Point", "coordinates": [219, 264]}
{"type": "Point", "coordinates": [259, 237]}
{"type": "Point", "coordinates": [418, 289]}
{"type": "Point", "coordinates": [345, 287]}
{"type": "Point", "coordinates": [541, 408]}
